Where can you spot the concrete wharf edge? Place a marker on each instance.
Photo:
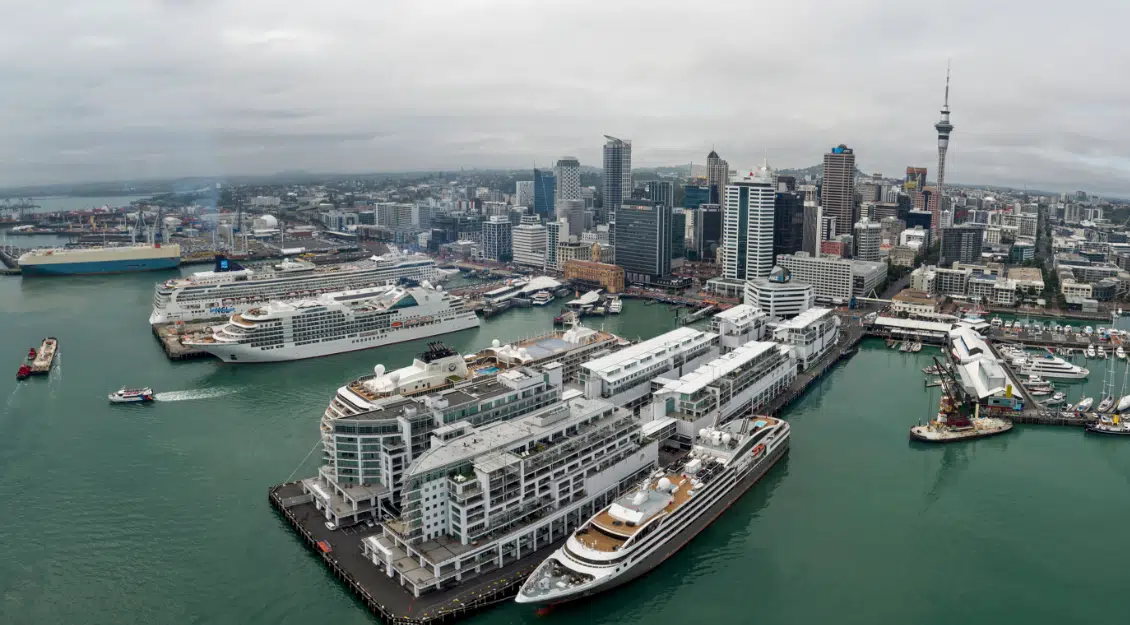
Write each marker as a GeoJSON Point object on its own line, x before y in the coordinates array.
{"type": "Point", "coordinates": [488, 589]}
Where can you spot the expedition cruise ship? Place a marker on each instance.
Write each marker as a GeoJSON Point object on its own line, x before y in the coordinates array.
{"type": "Point", "coordinates": [642, 528]}
{"type": "Point", "coordinates": [334, 323]}
{"type": "Point", "coordinates": [230, 288]}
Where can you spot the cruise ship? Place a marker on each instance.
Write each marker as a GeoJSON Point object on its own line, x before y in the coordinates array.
{"type": "Point", "coordinates": [231, 288]}
{"type": "Point", "coordinates": [338, 322]}
{"type": "Point", "coordinates": [641, 529]}
{"type": "Point", "coordinates": [99, 260]}
{"type": "Point", "coordinates": [1049, 366]}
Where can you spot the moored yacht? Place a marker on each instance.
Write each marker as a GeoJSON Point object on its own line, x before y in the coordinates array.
{"type": "Point", "coordinates": [643, 528]}
{"type": "Point", "coordinates": [1049, 366]}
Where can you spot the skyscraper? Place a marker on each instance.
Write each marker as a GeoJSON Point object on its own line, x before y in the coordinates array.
{"type": "Point", "coordinates": [810, 242]}
{"type": "Point", "coordinates": [497, 242]}
{"type": "Point", "coordinates": [678, 234]}
{"type": "Point", "coordinates": [617, 176]}
{"type": "Point", "coordinates": [524, 193]}
{"type": "Point", "coordinates": [694, 195]}
{"type": "Point", "coordinates": [643, 246]}
{"type": "Point", "coordinates": [944, 128]}
{"type": "Point", "coordinates": [788, 222]}
{"type": "Point", "coordinates": [839, 187]}
{"type": "Point", "coordinates": [661, 192]}
{"type": "Point", "coordinates": [747, 226]}
{"type": "Point", "coordinates": [545, 190]}
{"type": "Point", "coordinates": [915, 179]}
{"type": "Point", "coordinates": [555, 232]}
{"type": "Point", "coordinates": [868, 239]}
{"type": "Point", "coordinates": [707, 230]}
{"type": "Point", "coordinates": [568, 174]}
{"type": "Point", "coordinates": [573, 211]}
{"type": "Point", "coordinates": [717, 176]}
{"type": "Point", "coordinates": [528, 240]}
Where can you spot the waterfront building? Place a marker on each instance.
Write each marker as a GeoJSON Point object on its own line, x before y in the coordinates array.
{"type": "Point", "coordinates": [497, 239]}
{"type": "Point", "coordinates": [742, 381]}
{"type": "Point", "coordinates": [992, 290]}
{"type": "Point", "coordinates": [960, 245]}
{"type": "Point", "coordinates": [556, 232]}
{"type": "Point", "coordinates": [811, 236]}
{"type": "Point", "coordinates": [838, 193]}
{"type": "Point", "coordinates": [617, 177]}
{"type": "Point", "coordinates": [747, 226]}
{"type": "Point", "coordinates": [545, 193]}
{"type": "Point", "coordinates": [778, 296]}
{"type": "Point", "coordinates": [915, 303]}
{"type": "Point", "coordinates": [524, 193]}
{"type": "Point", "coordinates": [810, 334]}
{"type": "Point", "coordinates": [788, 222]}
{"type": "Point", "coordinates": [567, 174]}
{"type": "Point", "coordinates": [717, 177]}
{"type": "Point", "coordinates": [952, 281]}
{"type": "Point", "coordinates": [738, 325]}
{"type": "Point", "coordinates": [624, 377]}
{"type": "Point", "coordinates": [367, 444]}
{"type": "Point", "coordinates": [595, 275]}
{"type": "Point", "coordinates": [832, 277]}
{"type": "Point", "coordinates": [491, 495]}
{"type": "Point", "coordinates": [868, 239]}
{"type": "Point", "coordinates": [529, 242]}
{"type": "Point", "coordinates": [643, 244]}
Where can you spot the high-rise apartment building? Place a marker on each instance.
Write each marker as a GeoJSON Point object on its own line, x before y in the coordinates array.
{"type": "Point", "coordinates": [568, 175]}
{"type": "Point", "coordinates": [960, 245]}
{"type": "Point", "coordinates": [839, 187]}
{"type": "Point", "coordinates": [497, 242]}
{"type": "Point", "coordinates": [643, 240]}
{"type": "Point", "coordinates": [747, 226]}
{"type": "Point", "coordinates": [717, 176]}
{"type": "Point", "coordinates": [617, 176]}
{"type": "Point", "coordinates": [868, 239]}
{"type": "Point", "coordinates": [545, 192]}
{"type": "Point", "coordinates": [788, 222]}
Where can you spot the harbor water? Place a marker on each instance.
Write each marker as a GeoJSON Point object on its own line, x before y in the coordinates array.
{"type": "Point", "coordinates": [158, 514]}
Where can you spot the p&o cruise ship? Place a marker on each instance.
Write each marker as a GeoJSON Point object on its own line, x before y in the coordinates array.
{"type": "Point", "coordinates": [641, 529]}
{"type": "Point", "coordinates": [231, 288]}
{"type": "Point", "coordinates": [338, 322]}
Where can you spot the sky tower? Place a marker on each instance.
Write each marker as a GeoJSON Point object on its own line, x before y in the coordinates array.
{"type": "Point", "coordinates": [944, 128]}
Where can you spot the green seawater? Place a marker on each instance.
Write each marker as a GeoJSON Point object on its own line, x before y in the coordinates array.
{"type": "Point", "coordinates": [158, 514]}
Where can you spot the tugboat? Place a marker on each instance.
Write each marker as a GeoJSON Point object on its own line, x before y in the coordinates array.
{"type": "Point", "coordinates": [132, 396]}
{"type": "Point", "coordinates": [31, 354]}
{"type": "Point", "coordinates": [23, 373]}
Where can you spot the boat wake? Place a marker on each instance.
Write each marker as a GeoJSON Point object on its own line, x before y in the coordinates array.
{"type": "Point", "coordinates": [202, 393]}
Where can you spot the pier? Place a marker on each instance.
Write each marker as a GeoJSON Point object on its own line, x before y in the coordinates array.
{"type": "Point", "coordinates": [340, 552]}
{"type": "Point", "coordinates": [8, 256]}
{"type": "Point", "coordinates": [851, 333]}
{"type": "Point", "coordinates": [169, 335]}
{"type": "Point", "coordinates": [696, 315]}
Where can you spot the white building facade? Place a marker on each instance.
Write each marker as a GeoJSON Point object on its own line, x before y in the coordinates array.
{"type": "Point", "coordinates": [747, 226]}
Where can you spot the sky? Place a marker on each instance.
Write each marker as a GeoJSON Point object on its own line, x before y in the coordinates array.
{"type": "Point", "coordinates": [130, 89]}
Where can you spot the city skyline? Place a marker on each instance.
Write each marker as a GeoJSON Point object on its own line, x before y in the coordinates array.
{"type": "Point", "coordinates": [195, 88]}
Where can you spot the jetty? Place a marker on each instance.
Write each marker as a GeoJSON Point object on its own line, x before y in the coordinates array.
{"type": "Point", "coordinates": [169, 335]}
{"type": "Point", "coordinates": [340, 551]}
{"type": "Point", "coordinates": [851, 333]}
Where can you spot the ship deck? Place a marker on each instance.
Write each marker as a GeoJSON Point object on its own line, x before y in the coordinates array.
{"type": "Point", "coordinates": [605, 522]}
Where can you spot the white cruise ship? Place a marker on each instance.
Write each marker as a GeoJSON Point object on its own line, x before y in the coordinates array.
{"type": "Point", "coordinates": [230, 288]}
{"type": "Point", "coordinates": [1049, 366]}
{"type": "Point", "coordinates": [336, 322]}
{"type": "Point", "coordinates": [641, 529]}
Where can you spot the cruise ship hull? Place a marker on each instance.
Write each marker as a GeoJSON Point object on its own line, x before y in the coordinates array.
{"type": "Point", "coordinates": [99, 267]}
{"type": "Point", "coordinates": [243, 353]}
{"type": "Point", "coordinates": [681, 539]}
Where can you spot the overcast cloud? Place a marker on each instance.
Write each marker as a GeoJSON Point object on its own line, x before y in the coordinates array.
{"type": "Point", "coordinates": [119, 89]}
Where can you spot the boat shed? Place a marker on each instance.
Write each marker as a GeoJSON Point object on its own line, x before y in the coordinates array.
{"type": "Point", "coordinates": [925, 331]}
{"type": "Point", "coordinates": [981, 373]}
